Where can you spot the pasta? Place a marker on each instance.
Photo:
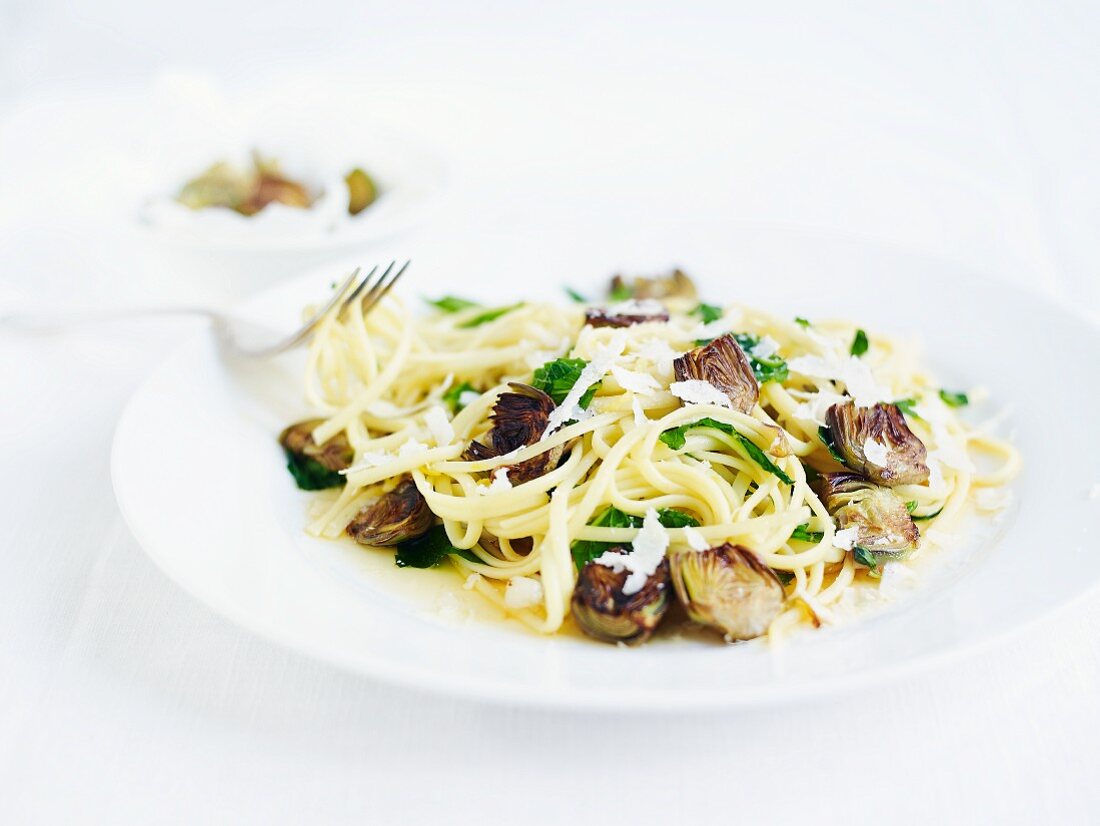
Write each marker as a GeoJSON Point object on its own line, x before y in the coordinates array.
{"type": "Point", "coordinates": [637, 459]}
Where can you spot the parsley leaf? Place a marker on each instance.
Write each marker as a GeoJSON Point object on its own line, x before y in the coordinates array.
{"type": "Point", "coordinates": [954, 399]}
{"type": "Point", "coordinates": [860, 343]}
{"type": "Point", "coordinates": [676, 437]}
{"type": "Point", "coordinates": [911, 505]}
{"type": "Point", "coordinates": [451, 304]}
{"type": "Point", "coordinates": [707, 313]}
{"type": "Point", "coordinates": [864, 557]}
{"type": "Point", "coordinates": [310, 474]}
{"type": "Point", "coordinates": [908, 407]}
{"type": "Point", "coordinates": [772, 368]}
{"type": "Point", "coordinates": [927, 516]}
{"type": "Point", "coordinates": [556, 378]}
{"type": "Point", "coordinates": [804, 534]}
{"type": "Point", "coordinates": [801, 322]}
{"type": "Point", "coordinates": [786, 577]}
{"type": "Point", "coordinates": [826, 437]}
{"type": "Point", "coordinates": [620, 291]}
{"type": "Point", "coordinates": [453, 397]}
{"type": "Point", "coordinates": [428, 550]}
{"type": "Point", "coordinates": [489, 315]}
{"type": "Point", "coordinates": [576, 296]}
{"type": "Point", "coordinates": [588, 550]}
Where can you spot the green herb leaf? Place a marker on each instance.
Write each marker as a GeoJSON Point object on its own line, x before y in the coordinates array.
{"type": "Point", "coordinates": [428, 550]}
{"type": "Point", "coordinates": [927, 516]}
{"type": "Point", "coordinates": [489, 315]}
{"type": "Point", "coordinates": [310, 474]}
{"type": "Point", "coordinates": [801, 322]}
{"type": "Point", "coordinates": [576, 296]}
{"type": "Point", "coordinates": [453, 397]}
{"type": "Point", "coordinates": [587, 550]}
{"type": "Point", "coordinates": [451, 304]}
{"type": "Point", "coordinates": [707, 313]}
{"type": "Point", "coordinates": [621, 292]}
{"type": "Point", "coordinates": [676, 437]}
{"type": "Point", "coordinates": [786, 577]}
{"type": "Point", "coordinates": [556, 378]}
{"type": "Point", "coordinates": [826, 437]}
{"type": "Point", "coordinates": [954, 399]}
{"type": "Point", "coordinates": [860, 343]}
{"type": "Point", "coordinates": [803, 533]}
{"type": "Point", "coordinates": [865, 557]}
{"type": "Point", "coordinates": [671, 518]}
{"type": "Point", "coordinates": [772, 368]}
{"type": "Point", "coordinates": [908, 407]}
{"type": "Point", "coordinates": [911, 505]}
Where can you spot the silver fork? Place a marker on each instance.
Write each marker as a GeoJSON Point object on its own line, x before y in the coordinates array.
{"type": "Point", "coordinates": [239, 337]}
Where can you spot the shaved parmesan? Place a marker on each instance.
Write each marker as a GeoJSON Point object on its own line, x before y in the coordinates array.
{"type": "Point", "coordinates": [640, 417]}
{"type": "Point", "coordinates": [570, 407]}
{"type": "Point", "coordinates": [641, 383]}
{"type": "Point", "coordinates": [876, 452]}
{"type": "Point", "coordinates": [500, 482]}
{"type": "Point", "coordinates": [696, 540]}
{"type": "Point", "coordinates": [846, 539]}
{"type": "Point", "coordinates": [468, 397]}
{"type": "Point", "coordinates": [411, 448]}
{"type": "Point", "coordinates": [660, 354]}
{"type": "Point", "coordinates": [637, 307]}
{"type": "Point", "coordinates": [854, 373]}
{"type": "Point", "coordinates": [696, 391]}
{"type": "Point", "coordinates": [817, 405]}
{"type": "Point", "coordinates": [440, 426]}
{"type": "Point", "coordinates": [649, 545]}
{"type": "Point", "coordinates": [522, 592]}
{"type": "Point", "coordinates": [765, 348]}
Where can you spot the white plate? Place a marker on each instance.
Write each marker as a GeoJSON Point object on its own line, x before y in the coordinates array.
{"type": "Point", "coordinates": [202, 485]}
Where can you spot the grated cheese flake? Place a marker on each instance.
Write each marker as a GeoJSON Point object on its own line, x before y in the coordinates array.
{"type": "Point", "coordinates": [641, 383]}
{"type": "Point", "coordinates": [570, 407]}
{"type": "Point", "coordinates": [696, 540]}
{"type": "Point", "coordinates": [440, 426]}
{"type": "Point", "coordinates": [522, 592]}
{"type": "Point", "coordinates": [846, 539]}
{"type": "Point", "coordinates": [876, 452]}
{"type": "Point", "coordinates": [500, 482]}
{"type": "Point", "coordinates": [697, 391]}
{"type": "Point", "coordinates": [649, 547]}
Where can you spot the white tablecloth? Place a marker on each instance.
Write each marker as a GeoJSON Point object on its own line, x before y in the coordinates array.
{"type": "Point", "coordinates": [967, 131]}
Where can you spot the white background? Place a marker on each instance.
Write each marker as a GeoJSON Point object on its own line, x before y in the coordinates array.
{"type": "Point", "coordinates": [969, 130]}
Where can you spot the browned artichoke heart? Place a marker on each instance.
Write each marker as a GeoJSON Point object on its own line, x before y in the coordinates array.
{"type": "Point", "coordinates": [728, 588]}
{"type": "Point", "coordinates": [335, 454]}
{"type": "Point", "coordinates": [362, 191]}
{"type": "Point", "coordinates": [674, 285]}
{"type": "Point", "coordinates": [626, 314]}
{"type": "Point", "coordinates": [394, 517]}
{"type": "Point", "coordinates": [519, 419]}
{"type": "Point", "coordinates": [723, 364]}
{"type": "Point", "coordinates": [603, 611]}
{"type": "Point", "coordinates": [885, 527]}
{"type": "Point", "coordinates": [877, 441]}
{"type": "Point", "coordinates": [244, 191]}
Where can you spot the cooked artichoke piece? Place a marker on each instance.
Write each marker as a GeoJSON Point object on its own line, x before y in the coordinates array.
{"type": "Point", "coordinates": [877, 442]}
{"type": "Point", "coordinates": [393, 518]}
{"type": "Point", "coordinates": [723, 364]}
{"type": "Point", "coordinates": [603, 611]}
{"type": "Point", "coordinates": [626, 314]}
{"type": "Point", "coordinates": [220, 185]}
{"type": "Point", "coordinates": [885, 527]}
{"type": "Point", "coordinates": [519, 419]}
{"type": "Point", "coordinates": [244, 191]}
{"type": "Point", "coordinates": [674, 285]}
{"type": "Point", "coordinates": [361, 191]}
{"type": "Point", "coordinates": [335, 454]}
{"type": "Point", "coordinates": [728, 588]}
